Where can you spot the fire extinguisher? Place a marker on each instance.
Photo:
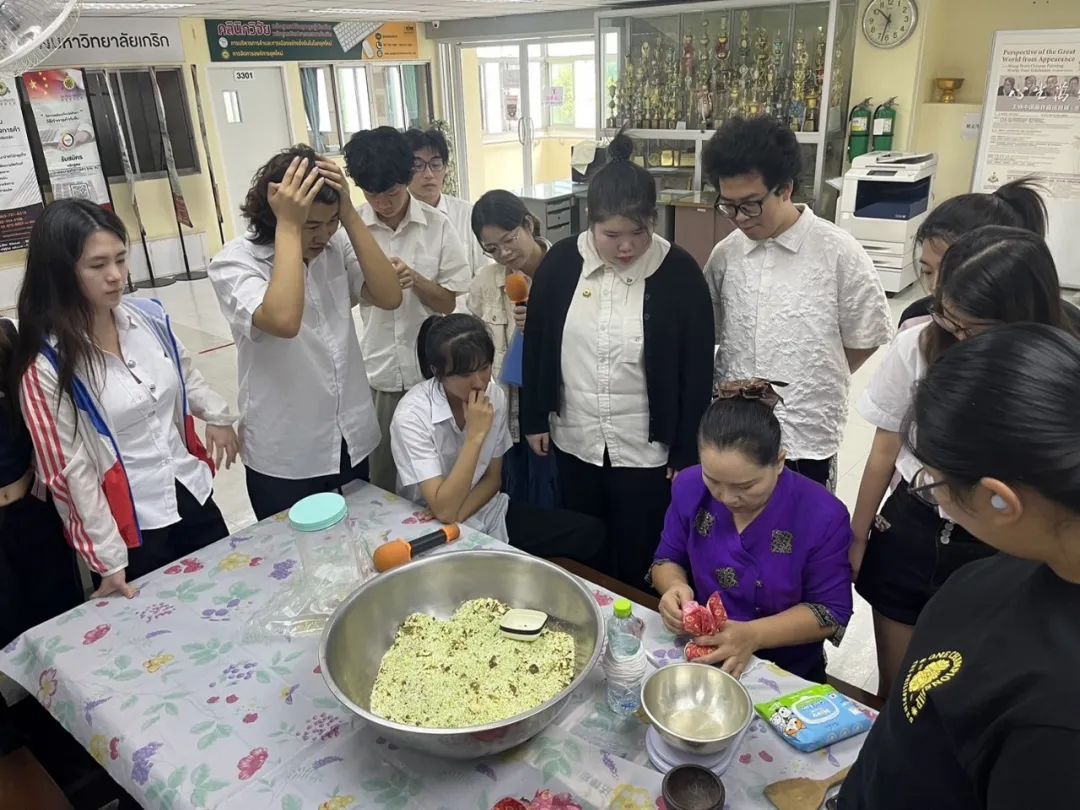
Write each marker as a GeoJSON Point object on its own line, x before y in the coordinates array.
{"type": "Point", "coordinates": [884, 124]}
{"type": "Point", "coordinates": [859, 129]}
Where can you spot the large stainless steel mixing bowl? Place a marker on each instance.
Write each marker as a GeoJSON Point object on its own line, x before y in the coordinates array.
{"type": "Point", "coordinates": [363, 627]}
{"type": "Point", "coordinates": [697, 708]}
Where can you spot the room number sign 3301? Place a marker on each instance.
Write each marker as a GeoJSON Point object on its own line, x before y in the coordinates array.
{"type": "Point", "coordinates": [888, 23]}
{"type": "Point", "coordinates": [244, 75]}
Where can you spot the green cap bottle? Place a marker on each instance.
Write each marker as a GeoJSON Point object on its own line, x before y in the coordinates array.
{"type": "Point", "coordinates": [624, 608]}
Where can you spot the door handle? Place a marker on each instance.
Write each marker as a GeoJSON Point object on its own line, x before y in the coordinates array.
{"type": "Point", "coordinates": [521, 131]}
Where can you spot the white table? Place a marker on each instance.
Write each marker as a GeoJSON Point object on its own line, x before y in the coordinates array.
{"type": "Point", "coordinates": [166, 695]}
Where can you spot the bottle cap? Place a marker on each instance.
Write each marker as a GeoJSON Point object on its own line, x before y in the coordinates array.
{"type": "Point", "coordinates": [623, 608]}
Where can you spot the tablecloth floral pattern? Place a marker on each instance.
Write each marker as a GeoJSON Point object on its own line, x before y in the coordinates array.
{"type": "Point", "coordinates": [167, 695]}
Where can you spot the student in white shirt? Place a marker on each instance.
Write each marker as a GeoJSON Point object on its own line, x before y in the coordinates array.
{"type": "Point", "coordinates": [618, 363]}
{"type": "Point", "coordinates": [797, 299]}
{"type": "Point", "coordinates": [901, 555]}
{"type": "Point", "coordinates": [432, 155]}
{"type": "Point", "coordinates": [510, 236]}
{"type": "Point", "coordinates": [431, 267]}
{"type": "Point", "coordinates": [449, 435]}
{"type": "Point", "coordinates": [108, 394]}
{"type": "Point", "coordinates": [287, 288]}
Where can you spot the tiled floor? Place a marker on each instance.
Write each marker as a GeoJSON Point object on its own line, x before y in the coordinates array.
{"type": "Point", "coordinates": [198, 322]}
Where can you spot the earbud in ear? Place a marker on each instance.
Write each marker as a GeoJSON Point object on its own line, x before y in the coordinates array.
{"type": "Point", "coordinates": [998, 503]}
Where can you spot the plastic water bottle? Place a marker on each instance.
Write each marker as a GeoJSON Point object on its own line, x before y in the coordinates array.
{"type": "Point", "coordinates": [624, 661]}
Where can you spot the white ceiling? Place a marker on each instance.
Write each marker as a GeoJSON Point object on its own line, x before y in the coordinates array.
{"type": "Point", "coordinates": [419, 10]}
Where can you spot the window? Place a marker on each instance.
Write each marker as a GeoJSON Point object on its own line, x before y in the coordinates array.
{"type": "Point", "coordinates": [320, 108]}
{"type": "Point", "coordinates": [345, 98]}
{"type": "Point", "coordinates": [562, 86]}
{"type": "Point", "coordinates": [500, 88]}
{"type": "Point", "coordinates": [569, 85]}
{"type": "Point", "coordinates": [134, 95]}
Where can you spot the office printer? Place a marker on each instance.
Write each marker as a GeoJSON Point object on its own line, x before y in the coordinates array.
{"type": "Point", "coordinates": [885, 197]}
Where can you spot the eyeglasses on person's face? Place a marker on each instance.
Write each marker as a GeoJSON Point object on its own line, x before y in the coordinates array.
{"type": "Point", "coordinates": [748, 208]}
{"type": "Point", "coordinates": [435, 165]}
{"type": "Point", "coordinates": [505, 245]}
{"type": "Point", "coordinates": [923, 487]}
{"type": "Point", "coordinates": [959, 329]}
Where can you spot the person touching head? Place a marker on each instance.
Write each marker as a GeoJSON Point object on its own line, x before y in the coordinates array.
{"type": "Point", "coordinates": [429, 259]}
{"type": "Point", "coordinates": [618, 351]}
{"type": "Point", "coordinates": [994, 431]}
{"type": "Point", "coordinates": [1016, 204]}
{"type": "Point", "coordinates": [449, 435]}
{"type": "Point", "coordinates": [109, 394]}
{"type": "Point", "coordinates": [431, 164]}
{"type": "Point", "coordinates": [772, 543]}
{"type": "Point", "coordinates": [901, 555]}
{"type": "Point", "coordinates": [287, 288]}
{"type": "Point", "coordinates": [795, 297]}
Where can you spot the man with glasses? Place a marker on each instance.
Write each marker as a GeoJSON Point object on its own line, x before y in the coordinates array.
{"type": "Point", "coordinates": [432, 270]}
{"type": "Point", "coordinates": [432, 159]}
{"type": "Point", "coordinates": [796, 299]}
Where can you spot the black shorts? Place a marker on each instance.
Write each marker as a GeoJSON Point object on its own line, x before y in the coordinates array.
{"type": "Point", "coordinates": [912, 550]}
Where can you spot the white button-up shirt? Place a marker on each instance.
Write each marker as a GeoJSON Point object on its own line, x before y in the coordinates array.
{"type": "Point", "coordinates": [888, 398]}
{"type": "Point", "coordinates": [139, 395]}
{"type": "Point", "coordinates": [426, 442]}
{"type": "Point", "coordinates": [786, 308]}
{"type": "Point", "coordinates": [605, 396]}
{"type": "Point", "coordinates": [427, 242]}
{"type": "Point", "coordinates": [459, 212]}
{"type": "Point", "coordinates": [298, 396]}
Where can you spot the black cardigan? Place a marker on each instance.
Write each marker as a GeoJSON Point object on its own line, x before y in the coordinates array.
{"type": "Point", "coordinates": [678, 324]}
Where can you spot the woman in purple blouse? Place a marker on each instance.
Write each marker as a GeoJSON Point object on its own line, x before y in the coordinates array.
{"type": "Point", "coordinates": [773, 543]}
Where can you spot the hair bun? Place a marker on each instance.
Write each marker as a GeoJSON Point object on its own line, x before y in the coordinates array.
{"type": "Point", "coordinates": [621, 147]}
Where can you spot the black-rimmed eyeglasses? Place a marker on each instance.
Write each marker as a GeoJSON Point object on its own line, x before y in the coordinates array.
{"type": "Point", "coordinates": [748, 208]}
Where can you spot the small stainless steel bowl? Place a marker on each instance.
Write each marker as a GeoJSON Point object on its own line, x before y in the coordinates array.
{"type": "Point", "coordinates": [696, 708]}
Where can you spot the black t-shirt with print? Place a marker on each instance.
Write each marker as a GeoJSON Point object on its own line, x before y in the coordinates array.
{"type": "Point", "coordinates": [987, 711]}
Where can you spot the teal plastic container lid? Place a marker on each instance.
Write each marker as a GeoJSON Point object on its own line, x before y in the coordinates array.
{"type": "Point", "coordinates": [318, 512]}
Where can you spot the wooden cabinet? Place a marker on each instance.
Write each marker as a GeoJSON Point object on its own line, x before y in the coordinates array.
{"type": "Point", "coordinates": [698, 228]}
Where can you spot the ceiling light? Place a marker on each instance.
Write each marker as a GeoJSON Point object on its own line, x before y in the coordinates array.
{"type": "Point", "coordinates": [133, 6]}
{"type": "Point", "coordinates": [378, 12]}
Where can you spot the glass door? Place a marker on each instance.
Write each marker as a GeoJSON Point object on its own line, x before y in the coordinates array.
{"type": "Point", "coordinates": [491, 98]}
{"type": "Point", "coordinates": [520, 109]}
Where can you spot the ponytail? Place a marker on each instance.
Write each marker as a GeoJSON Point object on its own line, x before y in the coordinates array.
{"type": "Point", "coordinates": [1017, 204]}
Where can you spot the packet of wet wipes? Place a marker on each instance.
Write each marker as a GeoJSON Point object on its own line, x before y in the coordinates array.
{"type": "Point", "coordinates": [815, 717]}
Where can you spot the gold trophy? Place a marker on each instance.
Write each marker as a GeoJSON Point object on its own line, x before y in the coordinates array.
{"type": "Point", "coordinates": [705, 107]}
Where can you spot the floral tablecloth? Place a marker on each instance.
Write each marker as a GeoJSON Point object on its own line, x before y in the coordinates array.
{"type": "Point", "coordinates": [166, 694]}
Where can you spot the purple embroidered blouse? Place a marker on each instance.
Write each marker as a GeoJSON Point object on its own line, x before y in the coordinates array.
{"type": "Point", "coordinates": [795, 552]}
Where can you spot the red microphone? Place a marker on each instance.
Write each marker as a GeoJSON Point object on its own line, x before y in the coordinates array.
{"type": "Point", "coordinates": [517, 289]}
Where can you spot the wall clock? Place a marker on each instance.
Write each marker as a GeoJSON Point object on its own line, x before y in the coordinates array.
{"type": "Point", "coordinates": [888, 23]}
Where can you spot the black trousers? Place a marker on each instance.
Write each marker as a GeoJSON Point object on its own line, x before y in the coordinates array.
{"type": "Point", "coordinates": [552, 533]}
{"type": "Point", "coordinates": [631, 503]}
{"type": "Point", "coordinates": [270, 495]}
{"type": "Point", "coordinates": [821, 470]}
{"type": "Point", "coordinates": [199, 526]}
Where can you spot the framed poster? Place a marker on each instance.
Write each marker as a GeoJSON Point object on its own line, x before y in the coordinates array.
{"type": "Point", "coordinates": [68, 139]}
{"type": "Point", "coordinates": [310, 40]}
{"type": "Point", "coordinates": [1031, 126]}
{"type": "Point", "coordinates": [20, 196]}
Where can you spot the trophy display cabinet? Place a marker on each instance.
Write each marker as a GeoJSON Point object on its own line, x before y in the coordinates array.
{"type": "Point", "coordinates": [685, 69]}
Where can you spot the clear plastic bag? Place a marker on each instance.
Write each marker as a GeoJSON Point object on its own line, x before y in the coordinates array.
{"type": "Point", "coordinates": [335, 561]}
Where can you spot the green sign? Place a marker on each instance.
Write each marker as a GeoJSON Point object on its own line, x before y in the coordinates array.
{"type": "Point", "coordinates": [302, 40]}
